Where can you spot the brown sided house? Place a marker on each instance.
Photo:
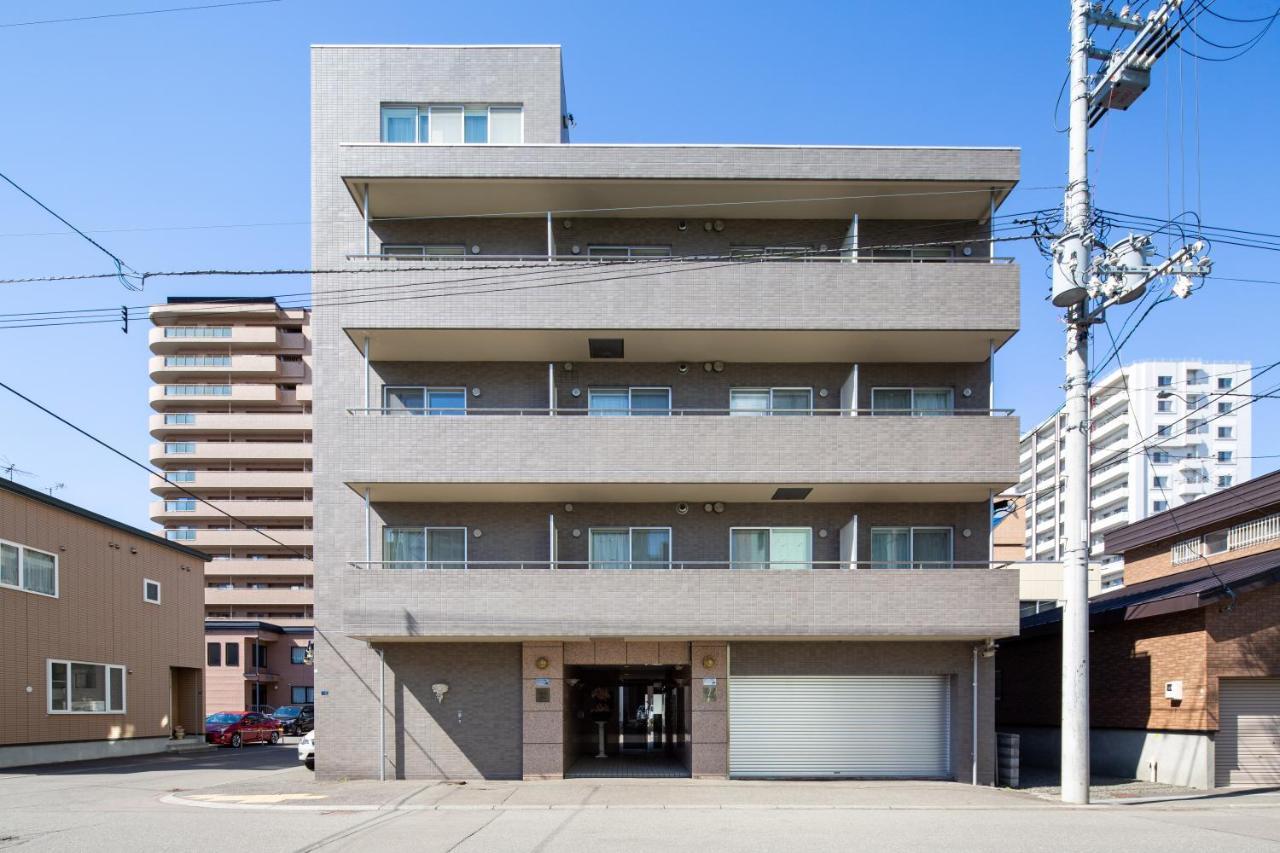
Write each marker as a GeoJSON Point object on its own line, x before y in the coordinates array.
{"type": "Point", "coordinates": [1185, 658]}
{"type": "Point", "coordinates": [101, 634]}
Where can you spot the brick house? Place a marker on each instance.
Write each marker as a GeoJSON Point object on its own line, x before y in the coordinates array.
{"type": "Point", "coordinates": [1185, 658]}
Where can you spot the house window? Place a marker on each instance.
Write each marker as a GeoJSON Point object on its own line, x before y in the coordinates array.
{"type": "Point", "coordinates": [771, 401]}
{"type": "Point", "coordinates": [1226, 456]}
{"type": "Point", "coordinates": [412, 251]}
{"type": "Point", "coordinates": [1160, 482]}
{"type": "Point", "coordinates": [912, 401]}
{"type": "Point", "coordinates": [180, 419]}
{"type": "Point", "coordinates": [150, 591]}
{"type": "Point", "coordinates": [1164, 430]}
{"type": "Point", "coordinates": [629, 547]}
{"type": "Point", "coordinates": [1165, 406]}
{"type": "Point", "coordinates": [1196, 401]}
{"type": "Point", "coordinates": [628, 252]}
{"type": "Point", "coordinates": [414, 400]}
{"type": "Point", "coordinates": [478, 124]}
{"type": "Point", "coordinates": [424, 547]}
{"type": "Point", "coordinates": [1197, 427]}
{"type": "Point", "coordinates": [180, 534]}
{"type": "Point", "coordinates": [910, 547]}
{"type": "Point", "coordinates": [197, 332]}
{"type": "Point", "coordinates": [197, 390]}
{"type": "Point", "coordinates": [1215, 542]}
{"type": "Point", "coordinates": [297, 655]}
{"type": "Point", "coordinates": [1197, 377]}
{"type": "Point", "coordinates": [1160, 457]}
{"type": "Point", "coordinates": [628, 401]}
{"type": "Point", "coordinates": [86, 688]}
{"type": "Point", "coordinates": [197, 361]}
{"type": "Point", "coordinates": [1224, 408]}
{"type": "Point", "coordinates": [213, 654]}
{"type": "Point", "coordinates": [181, 476]}
{"type": "Point", "coordinates": [179, 447]}
{"type": "Point", "coordinates": [1164, 381]}
{"type": "Point", "coordinates": [786, 548]}
{"type": "Point", "coordinates": [28, 569]}
{"type": "Point", "coordinates": [1224, 481]}
{"type": "Point", "coordinates": [233, 653]}
{"type": "Point", "coordinates": [302, 695]}
{"type": "Point", "coordinates": [1224, 383]}
{"type": "Point", "coordinates": [1159, 506]}
{"type": "Point", "coordinates": [181, 505]}
{"type": "Point", "coordinates": [1226, 432]}
{"type": "Point", "coordinates": [771, 253]}
{"type": "Point", "coordinates": [914, 253]}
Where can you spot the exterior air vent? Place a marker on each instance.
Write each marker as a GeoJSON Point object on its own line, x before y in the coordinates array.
{"type": "Point", "coordinates": [605, 347]}
{"type": "Point", "coordinates": [791, 494]}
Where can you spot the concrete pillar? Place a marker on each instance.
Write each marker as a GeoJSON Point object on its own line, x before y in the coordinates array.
{"type": "Point", "coordinates": [544, 710]}
{"type": "Point", "coordinates": [710, 730]}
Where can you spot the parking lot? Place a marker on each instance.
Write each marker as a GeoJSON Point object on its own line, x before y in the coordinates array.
{"type": "Point", "coordinates": [259, 798]}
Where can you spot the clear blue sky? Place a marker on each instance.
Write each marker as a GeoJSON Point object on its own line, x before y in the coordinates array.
{"type": "Point", "coordinates": [201, 118]}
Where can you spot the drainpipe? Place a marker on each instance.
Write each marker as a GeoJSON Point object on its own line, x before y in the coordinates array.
{"type": "Point", "coordinates": [991, 230]}
{"type": "Point", "coordinates": [850, 246]}
{"type": "Point", "coordinates": [551, 240]}
{"type": "Point", "coordinates": [368, 527]}
{"type": "Point", "coordinates": [991, 374]}
{"type": "Point", "coordinates": [974, 742]}
{"type": "Point", "coordinates": [551, 389]}
{"type": "Point", "coordinates": [382, 716]}
{"type": "Point", "coordinates": [365, 206]}
{"type": "Point", "coordinates": [365, 351]}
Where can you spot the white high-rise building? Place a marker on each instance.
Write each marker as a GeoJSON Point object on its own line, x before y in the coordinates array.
{"type": "Point", "coordinates": [1189, 416]}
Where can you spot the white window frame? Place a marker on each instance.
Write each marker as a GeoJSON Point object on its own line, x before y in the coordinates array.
{"type": "Point", "coordinates": [107, 667]}
{"type": "Point", "coordinates": [145, 583]}
{"type": "Point", "coordinates": [768, 563]}
{"type": "Point", "coordinates": [22, 570]}
{"type": "Point", "coordinates": [771, 253]}
{"type": "Point", "coordinates": [911, 540]}
{"type": "Point", "coordinates": [422, 248]}
{"type": "Point", "coordinates": [618, 528]}
{"type": "Point", "coordinates": [913, 411]}
{"type": "Point", "coordinates": [629, 249]}
{"type": "Point", "coordinates": [1226, 433]}
{"type": "Point", "coordinates": [426, 398]}
{"type": "Point", "coordinates": [631, 409]}
{"type": "Point", "coordinates": [420, 108]}
{"type": "Point", "coordinates": [772, 409]}
{"type": "Point", "coordinates": [426, 561]}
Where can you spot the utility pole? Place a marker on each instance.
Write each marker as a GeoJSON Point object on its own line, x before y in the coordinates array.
{"type": "Point", "coordinates": [1120, 274]}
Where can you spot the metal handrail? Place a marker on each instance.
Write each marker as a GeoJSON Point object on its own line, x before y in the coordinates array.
{"type": "Point", "coordinates": [447, 411]}
{"type": "Point", "coordinates": [831, 256]}
{"type": "Point", "coordinates": [674, 565]}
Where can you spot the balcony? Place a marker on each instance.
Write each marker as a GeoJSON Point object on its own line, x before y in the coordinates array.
{"type": "Point", "coordinates": [240, 423]}
{"type": "Point", "coordinates": [215, 596]}
{"type": "Point", "coordinates": [239, 366]}
{"type": "Point", "coordinates": [286, 567]}
{"type": "Point", "coordinates": [201, 452]}
{"type": "Point", "coordinates": [692, 457]}
{"type": "Point", "coordinates": [706, 311]}
{"type": "Point", "coordinates": [206, 539]}
{"type": "Point", "coordinates": [165, 340]}
{"type": "Point", "coordinates": [382, 603]}
{"type": "Point", "coordinates": [248, 510]}
{"type": "Point", "coordinates": [240, 481]}
{"type": "Point", "coordinates": [162, 397]}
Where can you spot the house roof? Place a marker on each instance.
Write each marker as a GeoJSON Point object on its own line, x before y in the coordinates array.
{"type": "Point", "coordinates": [1250, 496]}
{"type": "Point", "coordinates": [49, 500]}
{"type": "Point", "coordinates": [1187, 590]}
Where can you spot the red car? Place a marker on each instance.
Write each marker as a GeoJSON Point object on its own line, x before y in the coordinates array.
{"type": "Point", "coordinates": [236, 728]}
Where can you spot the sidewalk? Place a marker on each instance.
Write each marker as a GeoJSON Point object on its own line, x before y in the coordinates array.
{"type": "Point", "coordinates": [297, 791]}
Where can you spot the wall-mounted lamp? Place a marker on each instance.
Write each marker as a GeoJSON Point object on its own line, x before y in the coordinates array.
{"type": "Point", "coordinates": [822, 534]}
{"type": "Point", "coordinates": [568, 507]}
{"type": "Point", "coordinates": [682, 509]}
{"type": "Point", "coordinates": [576, 392]}
{"type": "Point", "coordinates": [823, 392]}
{"type": "Point", "coordinates": [967, 392]}
{"type": "Point", "coordinates": [475, 392]}
{"type": "Point", "coordinates": [567, 223]}
{"type": "Point", "coordinates": [440, 688]}
{"type": "Point", "coordinates": [477, 533]}
{"type": "Point", "coordinates": [475, 250]}
{"type": "Point", "coordinates": [542, 663]}
{"type": "Point", "coordinates": [966, 533]}
{"type": "Point", "coordinates": [577, 534]}
{"type": "Point", "coordinates": [577, 250]}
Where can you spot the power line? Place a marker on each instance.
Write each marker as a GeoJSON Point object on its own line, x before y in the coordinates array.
{"type": "Point", "coordinates": [135, 14]}
{"type": "Point", "coordinates": [146, 468]}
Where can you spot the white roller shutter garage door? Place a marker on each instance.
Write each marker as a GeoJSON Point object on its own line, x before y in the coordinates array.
{"type": "Point", "coordinates": [1247, 748]}
{"type": "Point", "coordinates": [843, 726]}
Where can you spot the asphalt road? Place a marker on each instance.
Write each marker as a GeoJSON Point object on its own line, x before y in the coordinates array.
{"type": "Point", "coordinates": [130, 805]}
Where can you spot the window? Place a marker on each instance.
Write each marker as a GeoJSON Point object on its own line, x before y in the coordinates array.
{"type": "Point", "coordinates": [28, 569]}
{"type": "Point", "coordinates": [1224, 481]}
{"type": "Point", "coordinates": [1226, 432]}
{"type": "Point", "coordinates": [297, 655]}
{"type": "Point", "coordinates": [1031, 608]}
{"type": "Point", "coordinates": [425, 547]}
{"type": "Point", "coordinates": [910, 547]}
{"type": "Point", "coordinates": [213, 654]}
{"type": "Point", "coordinates": [197, 361]}
{"type": "Point", "coordinates": [629, 547]}
{"type": "Point", "coordinates": [628, 252]}
{"type": "Point", "coordinates": [787, 548]}
{"type": "Point", "coordinates": [412, 400]}
{"type": "Point", "coordinates": [1164, 381]}
{"type": "Point", "coordinates": [478, 124]}
{"type": "Point", "coordinates": [1160, 457]}
{"type": "Point", "coordinates": [1164, 430]}
{"type": "Point", "coordinates": [197, 332]}
{"type": "Point", "coordinates": [302, 695]}
{"type": "Point", "coordinates": [180, 419]}
{"type": "Point", "coordinates": [180, 534]}
{"type": "Point", "coordinates": [414, 250]}
{"type": "Point", "coordinates": [181, 505]}
{"type": "Point", "coordinates": [85, 688]}
{"type": "Point", "coordinates": [150, 591]}
{"type": "Point", "coordinates": [770, 401]}
{"type": "Point", "coordinates": [1215, 543]}
{"type": "Point", "coordinates": [616, 402]}
{"type": "Point", "coordinates": [1224, 383]}
{"type": "Point", "coordinates": [181, 476]}
{"type": "Point", "coordinates": [179, 447]}
{"type": "Point", "coordinates": [1226, 456]}
{"type": "Point", "coordinates": [1165, 406]}
{"type": "Point", "coordinates": [197, 390]}
{"type": "Point", "coordinates": [912, 401]}
{"type": "Point", "coordinates": [1159, 506]}
{"type": "Point", "coordinates": [1197, 377]}
{"type": "Point", "coordinates": [1160, 482]}
{"type": "Point", "coordinates": [1224, 408]}
{"type": "Point", "coordinates": [771, 253]}
{"type": "Point", "coordinates": [233, 653]}
{"type": "Point", "coordinates": [914, 253]}
{"type": "Point", "coordinates": [1196, 401]}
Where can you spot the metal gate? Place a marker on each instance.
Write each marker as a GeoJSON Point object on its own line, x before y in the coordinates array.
{"type": "Point", "coordinates": [1247, 749]}
{"type": "Point", "coordinates": [845, 726]}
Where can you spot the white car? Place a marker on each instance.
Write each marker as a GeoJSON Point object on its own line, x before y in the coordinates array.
{"type": "Point", "coordinates": [307, 750]}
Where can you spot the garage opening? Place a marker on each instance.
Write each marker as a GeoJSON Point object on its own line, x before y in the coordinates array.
{"type": "Point", "coordinates": [627, 722]}
{"type": "Point", "coordinates": [840, 726]}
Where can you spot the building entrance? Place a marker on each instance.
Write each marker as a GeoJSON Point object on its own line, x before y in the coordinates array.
{"type": "Point", "coordinates": [627, 721]}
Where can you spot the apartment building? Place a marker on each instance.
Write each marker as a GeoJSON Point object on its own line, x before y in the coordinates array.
{"type": "Point", "coordinates": [1187, 414]}
{"type": "Point", "coordinates": [232, 429]}
{"type": "Point", "coordinates": [100, 627]}
{"type": "Point", "coordinates": [1184, 659]}
{"type": "Point", "coordinates": [682, 465]}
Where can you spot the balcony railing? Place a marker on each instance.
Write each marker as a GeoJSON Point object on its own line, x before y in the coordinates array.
{"type": "Point", "coordinates": [863, 256]}
{"type": "Point", "coordinates": [671, 565]}
{"type": "Point", "coordinates": [529, 411]}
